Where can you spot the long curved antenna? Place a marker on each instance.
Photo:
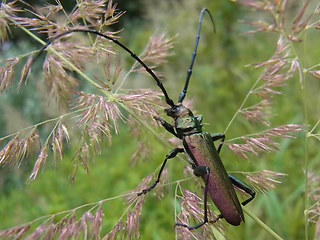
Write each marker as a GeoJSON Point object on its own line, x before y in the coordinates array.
{"type": "Point", "coordinates": [189, 72]}
{"type": "Point", "coordinates": [169, 101]}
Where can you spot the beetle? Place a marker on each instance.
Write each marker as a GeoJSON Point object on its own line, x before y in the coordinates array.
{"type": "Point", "coordinates": [202, 154]}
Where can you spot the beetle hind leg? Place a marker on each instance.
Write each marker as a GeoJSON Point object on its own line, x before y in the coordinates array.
{"type": "Point", "coordinates": [202, 171]}
{"type": "Point", "coordinates": [218, 136]}
{"type": "Point", "coordinates": [238, 183]}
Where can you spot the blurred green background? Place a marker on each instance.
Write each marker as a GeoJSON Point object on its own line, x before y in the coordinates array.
{"type": "Point", "coordinates": [220, 82]}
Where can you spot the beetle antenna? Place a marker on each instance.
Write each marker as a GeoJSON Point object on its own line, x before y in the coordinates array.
{"type": "Point", "coordinates": [189, 72]}
{"type": "Point", "coordinates": [169, 101]}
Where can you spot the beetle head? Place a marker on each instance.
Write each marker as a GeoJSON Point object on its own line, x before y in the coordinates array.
{"type": "Point", "coordinates": [178, 111]}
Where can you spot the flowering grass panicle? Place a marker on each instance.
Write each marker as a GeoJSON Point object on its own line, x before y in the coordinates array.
{"type": "Point", "coordinates": [262, 142]}
{"type": "Point", "coordinates": [281, 67]}
{"type": "Point", "coordinates": [191, 213]}
{"type": "Point", "coordinates": [97, 114]}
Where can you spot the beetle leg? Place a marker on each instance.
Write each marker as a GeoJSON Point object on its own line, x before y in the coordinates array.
{"type": "Point", "coordinates": [217, 136]}
{"type": "Point", "coordinates": [202, 171]}
{"type": "Point", "coordinates": [166, 125]}
{"type": "Point", "coordinates": [171, 154]}
{"type": "Point", "coordinates": [235, 181]}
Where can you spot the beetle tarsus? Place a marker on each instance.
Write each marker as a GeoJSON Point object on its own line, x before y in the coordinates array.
{"type": "Point", "coordinates": [200, 224]}
{"type": "Point", "coordinates": [190, 227]}
{"type": "Point", "coordinates": [148, 189]}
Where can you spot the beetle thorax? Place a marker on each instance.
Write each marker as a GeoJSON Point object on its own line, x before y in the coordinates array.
{"type": "Point", "coordinates": [185, 122]}
{"type": "Point", "coordinates": [188, 125]}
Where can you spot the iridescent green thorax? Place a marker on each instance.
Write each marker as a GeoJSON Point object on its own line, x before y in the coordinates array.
{"type": "Point", "coordinates": [188, 125]}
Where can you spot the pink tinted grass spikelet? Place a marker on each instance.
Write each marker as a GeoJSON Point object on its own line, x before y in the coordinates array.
{"type": "Point", "coordinates": [192, 208]}
{"type": "Point", "coordinates": [264, 180]}
{"type": "Point", "coordinates": [263, 141]}
{"type": "Point", "coordinates": [6, 73]}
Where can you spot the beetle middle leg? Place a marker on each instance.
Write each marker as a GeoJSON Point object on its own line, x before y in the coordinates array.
{"type": "Point", "coordinates": [171, 154]}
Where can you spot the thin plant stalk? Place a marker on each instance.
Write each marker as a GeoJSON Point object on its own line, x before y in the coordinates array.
{"type": "Point", "coordinates": [262, 224]}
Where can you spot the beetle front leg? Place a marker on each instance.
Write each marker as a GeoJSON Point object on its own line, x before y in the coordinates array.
{"type": "Point", "coordinates": [217, 136]}
{"type": "Point", "coordinates": [171, 154]}
{"type": "Point", "coordinates": [237, 182]}
{"type": "Point", "coordinates": [201, 171]}
{"type": "Point", "coordinates": [166, 125]}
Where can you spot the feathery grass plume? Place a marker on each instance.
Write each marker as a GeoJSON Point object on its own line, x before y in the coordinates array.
{"type": "Point", "coordinates": [142, 100]}
{"type": "Point", "coordinates": [143, 148]}
{"type": "Point", "coordinates": [300, 24]}
{"type": "Point", "coordinates": [25, 72]}
{"type": "Point", "coordinates": [283, 64]}
{"type": "Point", "coordinates": [264, 180]}
{"type": "Point", "coordinates": [190, 204]}
{"type": "Point", "coordinates": [15, 232]}
{"type": "Point", "coordinates": [40, 162]}
{"type": "Point", "coordinates": [279, 68]}
{"type": "Point", "coordinates": [58, 138]}
{"type": "Point", "coordinates": [315, 73]}
{"type": "Point", "coordinates": [133, 221]}
{"type": "Point", "coordinates": [17, 149]}
{"type": "Point", "coordinates": [7, 10]}
{"type": "Point", "coordinates": [156, 51]}
{"type": "Point", "coordinates": [262, 142]}
{"type": "Point", "coordinates": [97, 113]}
{"type": "Point", "coordinates": [130, 229]}
{"type": "Point", "coordinates": [74, 55]}
{"type": "Point", "coordinates": [114, 233]}
{"type": "Point", "coordinates": [110, 77]}
{"type": "Point", "coordinates": [102, 13]}
{"type": "Point", "coordinates": [6, 73]}
{"type": "Point", "coordinates": [40, 22]}
{"type": "Point", "coordinates": [257, 112]}
{"type": "Point", "coordinates": [159, 192]}
{"type": "Point", "coordinates": [87, 226]}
